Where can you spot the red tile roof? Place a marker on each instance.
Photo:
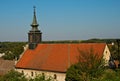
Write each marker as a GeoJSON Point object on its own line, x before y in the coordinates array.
{"type": "Point", "coordinates": [56, 57]}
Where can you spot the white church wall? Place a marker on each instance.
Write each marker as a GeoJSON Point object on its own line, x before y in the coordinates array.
{"type": "Point", "coordinates": [106, 55]}
{"type": "Point", "coordinates": [32, 73]}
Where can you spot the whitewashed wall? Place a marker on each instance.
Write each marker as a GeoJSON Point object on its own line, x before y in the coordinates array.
{"type": "Point", "coordinates": [27, 73]}
{"type": "Point", "coordinates": [106, 55]}
{"type": "Point", "coordinates": [2, 54]}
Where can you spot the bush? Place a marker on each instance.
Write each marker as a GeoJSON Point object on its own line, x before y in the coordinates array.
{"type": "Point", "coordinates": [111, 75]}
{"type": "Point", "coordinates": [90, 67]}
{"type": "Point", "coordinates": [13, 76]}
{"type": "Point", "coordinates": [16, 76]}
{"type": "Point", "coordinates": [42, 78]}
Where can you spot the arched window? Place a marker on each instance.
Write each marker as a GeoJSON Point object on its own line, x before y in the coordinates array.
{"type": "Point", "coordinates": [43, 75]}
{"type": "Point", "coordinates": [32, 74]}
{"type": "Point", "coordinates": [22, 72]}
{"type": "Point", "coordinates": [55, 76]}
{"type": "Point", "coordinates": [106, 52]}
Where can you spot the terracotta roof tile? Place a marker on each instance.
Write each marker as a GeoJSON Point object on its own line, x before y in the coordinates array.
{"type": "Point", "coordinates": [56, 57]}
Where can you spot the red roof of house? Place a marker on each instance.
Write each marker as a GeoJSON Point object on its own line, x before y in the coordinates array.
{"type": "Point", "coordinates": [56, 57]}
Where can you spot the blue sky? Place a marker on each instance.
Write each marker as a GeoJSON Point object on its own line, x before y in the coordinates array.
{"type": "Point", "coordinates": [60, 19]}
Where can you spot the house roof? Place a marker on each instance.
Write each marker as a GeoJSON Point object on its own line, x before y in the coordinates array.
{"type": "Point", "coordinates": [56, 57]}
{"type": "Point", "coordinates": [6, 65]}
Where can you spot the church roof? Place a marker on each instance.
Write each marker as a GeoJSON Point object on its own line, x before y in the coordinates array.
{"type": "Point", "coordinates": [56, 57]}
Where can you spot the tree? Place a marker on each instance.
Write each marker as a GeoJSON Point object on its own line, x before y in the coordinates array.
{"type": "Point", "coordinates": [11, 49]}
{"type": "Point", "coordinates": [16, 76]}
{"type": "Point", "coordinates": [114, 51]}
{"type": "Point", "coordinates": [8, 55]}
{"type": "Point", "coordinates": [42, 78]}
{"type": "Point", "coordinates": [89, 67]}
{"type": "Point", "coordinates": [13, 76]}
{"type": "Point", "coordinates": [111, 75]}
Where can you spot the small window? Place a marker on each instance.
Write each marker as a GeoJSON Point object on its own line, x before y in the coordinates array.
{"type": "Point", "coordinates": [32, 73]}
{"type": "Point", "coordinates": [43, 74]}
{"type": "Point", "coordinates": [106, 51]}
{"type": "Point", "coordinates": [22, 72]}
{"type": "Point", "coordinates": [55, 76]}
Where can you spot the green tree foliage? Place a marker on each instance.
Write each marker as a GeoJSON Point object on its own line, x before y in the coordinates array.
{"type": "Point", "coordinates": [11, 49]}
{"type": "Point", "coordinates": [90, 67]}
{"type": "Point", "coordinates": [114, 51]}
{"type": "Point", "coordinates": [8, 55]}
{"type": "Point", "coordinates": [110, 75]}
{"type": "Point", "coordinates": [41, 78]}
{"type": "Point", "coordinates": [96, 40]}
{"type": "Point", "coordinates": [13, 76]}
{"type": "Point", "coordinates": [16, 76]}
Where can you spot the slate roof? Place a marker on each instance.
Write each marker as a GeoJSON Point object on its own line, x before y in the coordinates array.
{"type": "Point", "coordinates": [56, 57]}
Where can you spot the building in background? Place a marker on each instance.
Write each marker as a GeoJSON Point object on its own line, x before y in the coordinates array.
{"type": "Point", "coordinates": [6, 65]}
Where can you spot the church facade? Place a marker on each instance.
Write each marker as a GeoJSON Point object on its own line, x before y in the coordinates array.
{"type": "Point", "coordinates": [53, 59]}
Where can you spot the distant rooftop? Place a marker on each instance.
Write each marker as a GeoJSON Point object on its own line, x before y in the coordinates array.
{"type": "Point", "coordinates": [6, 65]}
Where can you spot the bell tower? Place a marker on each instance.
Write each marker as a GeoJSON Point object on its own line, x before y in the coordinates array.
{"type": "Point", "coordinates": [34, 35]}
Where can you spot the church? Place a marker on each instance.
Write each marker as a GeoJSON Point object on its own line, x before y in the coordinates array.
{"type": "Point", "coordinates": [53, 59]}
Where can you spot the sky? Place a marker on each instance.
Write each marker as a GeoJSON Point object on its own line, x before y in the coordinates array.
{"type": "Point", "coordinates": [60, 19]}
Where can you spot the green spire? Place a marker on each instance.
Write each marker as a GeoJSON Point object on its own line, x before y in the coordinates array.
{"type": "Point", "coordinates": [34, 23]}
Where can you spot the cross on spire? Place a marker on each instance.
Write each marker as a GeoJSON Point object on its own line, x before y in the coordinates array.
{"type": "Point", "coordinates": [34, 9]}
{"type": "Point", "coordinates": [34, 23]}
